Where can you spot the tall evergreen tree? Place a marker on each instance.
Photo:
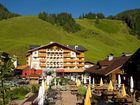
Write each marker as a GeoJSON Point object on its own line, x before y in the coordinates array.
{"type": "Point", "coordinates": [5, 13]}
{"type": "Point", "coordinates": [6, 68]}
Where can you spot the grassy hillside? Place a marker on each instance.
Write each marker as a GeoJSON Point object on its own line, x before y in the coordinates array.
{"type": "Point", "coordinates": [109, 36]}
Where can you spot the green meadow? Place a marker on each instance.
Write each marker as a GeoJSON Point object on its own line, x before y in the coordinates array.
{"type": "Point", "coordinates": [109, 36]}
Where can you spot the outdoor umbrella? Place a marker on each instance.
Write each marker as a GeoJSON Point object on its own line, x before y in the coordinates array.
{"type": "Point", "coordinates": [78, 83]}
{"type": "Point", "coordinates": [41, 101]}
{"type": "Point", "coordinates": [87, 100]}
{"type": "Point", "coordinates": [85, 79]}
{"type": "Point", "coordinates": [40, 92]}
{"type": "Point", "coordinates": [76, 80]}
{"type": "Point", "coordinates": [93, 82]}
{"type": "Point", "coordinates": [58, 84]}
{"type": "Point", "coordinates": [55, 82]}
{"type": "Point", "coordinates": [47, 80]}
{"type": "Point", "coordinates": [89, 91]}
{"type": "Point", "coordinates": [89, 79]}
{"type": "Point", "coordinates": [131, 84]}
{"type": "Point", "coordinates": [123, 91]}
{"type": "Point", "coordinates": [43, 88]}
{"type": "Point", "coordinates": [101, 82]}
{"type": "Point", "coordinates": [110, 86]}
{"type": "Point", "coordinates": [119, 81]}
{"type": "Point", "coordinates": [82, 78]}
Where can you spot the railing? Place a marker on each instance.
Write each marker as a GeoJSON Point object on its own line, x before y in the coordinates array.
{"type": "Point", "coordinates": [66, 50]}
{"type": "Point", "coordinates": [80, 56]}
{"type": "Point", "coordinates": [42, 60]}
{"type": "Point", "coordinates": [69, 60]}
{"type": "Point", "coordinates": [67, 55]}
{"type": "Point", "coordinates": [42, 55]}
{"type": "Point", "coordinates": [74, 70]}
{"type": "Point", "coordinates": [80, 65]}
{"type": "Point", "coordinates": [42, 50]}
{"type": "Point", "coordinates": [68, 65]}
{"type": "Point", "coordinates": [79, 60]}
{"type": "Point", "coordinates": [42, 65]}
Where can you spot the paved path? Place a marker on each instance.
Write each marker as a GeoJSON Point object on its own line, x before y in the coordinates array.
{"type": "Point", "coordinates": [30, 99]}
{"type": "Point", "coordinates": [67, 99]}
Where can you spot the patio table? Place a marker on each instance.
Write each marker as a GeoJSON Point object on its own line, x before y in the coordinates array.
{"type": "Point", "coordinates": [100, 88]}
{"type": "Point", "coordinates": [118, 99]}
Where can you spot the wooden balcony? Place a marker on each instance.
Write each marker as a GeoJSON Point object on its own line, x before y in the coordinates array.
{"type": "Point", "coordinates": [80, 65]}
{"type": "Point", "coordinates": [42, 60]}
{"type": "Point", "coordinates": [67, 55]}
{"type": "Point", "coordinates": [66, 51]}
{"type": "Point", "coordinates": [74, 70]}
{"type": "Point", "coordinates": [69, 65]}
{"type": "Point", "coordinates": [43, 65]}
{"type": "Point", "coordinates": [79, 60]}
{"type": "Point", "coordinates": [42, 50]}
{"type": "Point", "coordinates": [69, 60]}
{"type": "Point", "coordinates": [80, 56]}
{"type": "Point", "coordinates": [42, 55]}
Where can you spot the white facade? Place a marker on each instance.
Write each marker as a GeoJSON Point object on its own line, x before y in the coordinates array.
{"type": "Point", "coordinates": [55, 58]}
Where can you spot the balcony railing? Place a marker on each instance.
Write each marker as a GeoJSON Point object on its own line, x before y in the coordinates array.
{"type": "Point", "coordinates": [69, 60]}
{"type": "Point", "coordinates": [42, 55]}
{"type": "Point", "coordinates": [42, 60]}
{"type": "Point", "coordinates": [69, 65]}
{"type": "Point", "coordinates": [66, 50]}
{"type": "Point", "coordinates": [42, 50]}
{"type": "Point", "coordinates": [67, 55]}
{"type": "Point", "coordinates": [74, 70]}
{"type": "Point", "coordinates": [79, 60]}
{"type": "Point", "coordinates": [53, 50]}
{"type": "Point", "coordinates": [80, 56]}
{"type": "Point", "coordinates": [42, 65]}
{"type": "Point", "coordinates": [80, 65]}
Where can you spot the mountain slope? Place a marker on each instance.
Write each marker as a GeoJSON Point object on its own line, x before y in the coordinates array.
{"type": "Point", "coordinates": [109, 36]}
{"type": "Point", "coordinates": [5, 13]}
{"type": "Point", "coordinates": [132, 18]}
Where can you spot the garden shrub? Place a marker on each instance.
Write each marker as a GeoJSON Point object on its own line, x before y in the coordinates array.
{"type": "Point", "coordinates": [35, 88]}
{"type": "Point", "coordinates": [19, 92]}
{"type": "Point", "coordinates": [82, 91]}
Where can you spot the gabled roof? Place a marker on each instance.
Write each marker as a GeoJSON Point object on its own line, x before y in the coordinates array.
{"type": "Point", "coordinates": [88, 62]}
{"type": "Point", "coordinates": [106, 62]}
{"type": "Point", "coordinates": [55, 43]}
{"type": "Point", "coordinates": [135, 58]}
{"type": "Point", "coordinates": [33, 46]}
{"type": "Point", "coordinates": [106, 70]}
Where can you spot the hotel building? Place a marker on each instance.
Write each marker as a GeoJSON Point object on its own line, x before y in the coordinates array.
{"type": "Point", "coordinates": [57, 57]}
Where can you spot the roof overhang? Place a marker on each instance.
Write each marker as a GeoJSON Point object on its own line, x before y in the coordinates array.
{"type": "Point", "coordinates": [47, 45]}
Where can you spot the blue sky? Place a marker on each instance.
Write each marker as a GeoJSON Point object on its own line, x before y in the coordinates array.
{"type": "Point", "coordinates": [75, 7]}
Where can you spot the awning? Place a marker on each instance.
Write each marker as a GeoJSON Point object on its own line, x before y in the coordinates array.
{"type": "Point", "coordinates": [70, 70]}
{"type": "Point", "coordinates": [74, 70]}
{"type": "Point", "coordinates": [60, 70]}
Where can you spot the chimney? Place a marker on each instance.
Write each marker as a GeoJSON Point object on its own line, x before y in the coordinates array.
{"type": "Point", "coordinates": [76, 47]}
{"type": "Point", "coordinates": [110, 57]}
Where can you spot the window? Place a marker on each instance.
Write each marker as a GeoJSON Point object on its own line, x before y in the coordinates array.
{"type": "Point", "coordinates": [35, 52]}
{"type": "Point", "coordinates": [35, 57]}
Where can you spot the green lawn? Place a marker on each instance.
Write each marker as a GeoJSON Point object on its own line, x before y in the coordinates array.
{"type": "Point", "coordinates": [109, 36]}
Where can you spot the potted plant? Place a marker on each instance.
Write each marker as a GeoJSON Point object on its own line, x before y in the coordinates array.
{"type": "Point", "coordinates": [81, 92]}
